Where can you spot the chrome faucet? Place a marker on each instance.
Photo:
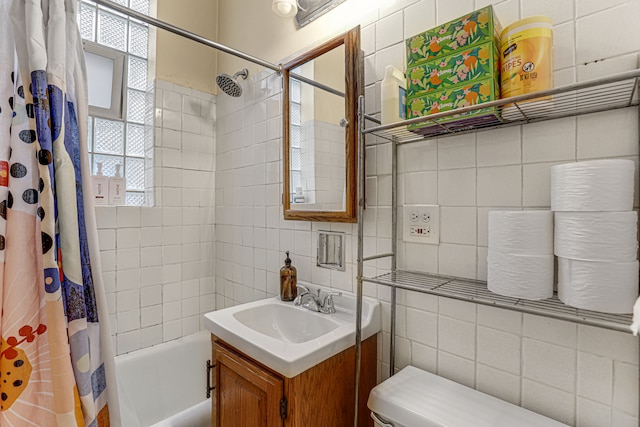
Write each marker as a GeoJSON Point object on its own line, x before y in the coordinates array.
{"type": "Point", "coordinates": [313, 302]}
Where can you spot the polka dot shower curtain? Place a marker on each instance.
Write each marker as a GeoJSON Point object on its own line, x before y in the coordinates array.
{"type": "Point", "coordinates": [56, 362]}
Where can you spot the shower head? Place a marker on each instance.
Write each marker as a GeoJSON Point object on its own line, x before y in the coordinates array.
{"type": "Point", "coordinates": [229, 85]}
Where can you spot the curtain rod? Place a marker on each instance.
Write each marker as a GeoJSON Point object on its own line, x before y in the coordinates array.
{"type": "Point", "coordinates": [187, 34]}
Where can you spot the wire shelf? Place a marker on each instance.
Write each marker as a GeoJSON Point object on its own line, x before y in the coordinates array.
{"type": "Point", "coordinates": [476, 291]}
{"type": "Point", "coordinates": [604, 94]}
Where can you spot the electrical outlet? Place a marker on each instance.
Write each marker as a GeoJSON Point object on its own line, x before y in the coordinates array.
{"type": "Point", "coordinates": [421, 224]}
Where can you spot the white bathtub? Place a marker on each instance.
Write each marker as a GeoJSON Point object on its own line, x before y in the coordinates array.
{"type": "Point", "coordinates": [165, 385]}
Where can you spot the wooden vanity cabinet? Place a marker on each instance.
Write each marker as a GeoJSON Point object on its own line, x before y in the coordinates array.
{"type": "Point", "coordinates": [249, 394]}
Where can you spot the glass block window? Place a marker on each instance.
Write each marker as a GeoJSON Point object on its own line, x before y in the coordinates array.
{"type": "Point", "coordinates": [121, 141]}
{"type": "Point", "coordinates": [295, 136]}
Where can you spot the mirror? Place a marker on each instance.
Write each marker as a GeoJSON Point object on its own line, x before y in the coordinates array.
{"type": "Point", "coordinates": [320, 131]}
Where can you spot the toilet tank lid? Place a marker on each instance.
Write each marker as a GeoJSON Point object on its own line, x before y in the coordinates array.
{"type": "Point", "coordinates": [415, 398]}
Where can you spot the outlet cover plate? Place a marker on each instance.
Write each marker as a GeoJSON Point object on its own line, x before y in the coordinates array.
{"type": "Point", "coordinates": [421, 224]}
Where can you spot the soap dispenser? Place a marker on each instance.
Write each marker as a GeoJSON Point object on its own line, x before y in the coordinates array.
{"type": "Point", "coordinates": [100, 184]}
{"type": "Point", "coordinates": [117, 188]}
{"type": "Point", "coordinates": [288, 281]}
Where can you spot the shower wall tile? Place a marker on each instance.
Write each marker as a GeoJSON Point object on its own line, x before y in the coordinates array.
{"type": "Point", "coordinates": [143, 248]}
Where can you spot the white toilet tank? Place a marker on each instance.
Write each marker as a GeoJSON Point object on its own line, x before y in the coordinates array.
{"type": "Point", "coordinates": [415, 398]}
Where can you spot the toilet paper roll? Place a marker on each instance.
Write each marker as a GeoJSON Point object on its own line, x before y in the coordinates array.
{"type": "Point", "coordinates": [521, 232]}
{"type": "Point", "coordinates": [520, 276]}
{"type": "Point", "coordinates": [598, 185]}
{"type": "Point", "coordinates": [596, 236]}
{"type": "Point", "coordinates": [600, 286]}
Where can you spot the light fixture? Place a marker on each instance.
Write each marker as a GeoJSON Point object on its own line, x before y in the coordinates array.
{"type": "Point", "coordinates": [284, 8]}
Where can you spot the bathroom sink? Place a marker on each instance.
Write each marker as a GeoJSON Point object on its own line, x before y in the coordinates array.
{"type": "Point", "coordinates": [291, 339]}
{"type": "Point", "coordinates": [285, 322]}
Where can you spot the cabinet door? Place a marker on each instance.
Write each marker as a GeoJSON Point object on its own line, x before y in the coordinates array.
{"type": "Point", "coordinates": [246, 395]}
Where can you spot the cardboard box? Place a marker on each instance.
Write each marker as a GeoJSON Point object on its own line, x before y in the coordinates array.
{"type": "Point", "coordinates": [457, 97]}
{"type": "Point", "coordinates": [462, 67]}
{"type": "Point", "coordinates": [480, 26]}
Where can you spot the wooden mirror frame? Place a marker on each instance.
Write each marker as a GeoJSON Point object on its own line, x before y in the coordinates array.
{"type": "Point", "coordinates": [353, 89]}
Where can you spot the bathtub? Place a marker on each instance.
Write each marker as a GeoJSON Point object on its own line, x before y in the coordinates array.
{"type": "Point", "coordinates": [165, 385]}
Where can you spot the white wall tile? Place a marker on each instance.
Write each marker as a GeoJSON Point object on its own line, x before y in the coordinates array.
{"type": "Point", "coordinates": [389, 31]}
{"type": "Point", "coordinates": [549, 141]}
{"type": "Point", "coordinates": [536, 184]}
{"type": "Point", "coordinates": [422, 327]}
{"type": "Point", "coordinates": [549, 364]}
{"type": "Point", "coordinates": [128, 216]}
{"type": "Point", "coordinates": [457, 152]}
{"type": "Point", "coordinates": [457, 187]}
{"type": "Point", "coordinates": [620, 419]}
{"type": "Point", "coordinates": [498, 383]}
{"type": "Point", "coordinates": [496, 318]}
{"type": "Point", "coordinates": [424, 357]}
{"type": "Point", "coordinates": [500, 186]}
{"type": "Point", "coordinates": [549, 401]}
{"type": "Point", "coordinates": [481, 269]}
{"type": "Point", "coordinates": [550, 330]}
{"type": "Point", "coordinates": [150, 316]}
{"type": "Point", "coordinates": [587, 7]}
{"type": "Point", "coordinates": [625, 388]}
{"type": "Point", "coordinates": [150, 295]}
{"type": "Point", "coordinates": [458, 225]}
{"type": "Point", "coordinates": [457, 260]}
{"type": "Point", "coordinates": [499, 147]}
{"type": "Point", "coordinates": [421, 188]}
{"type": "Point", "coordinates": [128, 300]}
{"type": "Point", "coordinates": [392, 55]}
{"type": "Point", "coordinates": [499, 350]}
{"type": "Point", "coordinates": [450, 10]}
{"type": "Point", "coordinates": [421, 257]}
{"type": "Point", "coordinates": [592, 41]}
{"type": "Point", "coordinates": [128, 321]}
{"type": "Point", "coordinates": [418, 157]}
{"type": "Point", "coordinates": [564, 46]}
{"type": "Point", "coordinates": [614, 345]}
{"type": "Point", "coordinates": [107, 239]}
{"type": "Point", "coordinates": [592, 414]}
{"type": "Point", "coordinates": [559, 11]}
{"type": "Point", "coordinates": [595, 377]}
{"type": "Point", "coordinates": [419, 17]}
{"type": "Point", "coordinates": [128, 342]}
{"type": "Point", "coordinates": [456, 369]}
{"type": "Point", "coordinates": [611, 66]}
{"type": "Point", "coordinates": [457, 337]}
{"type": "Point", "coordinates": [150, 336]}
{"type": "Point", "coordinates": [172, 101]}
{"type": "Point", "coordinates": [618, 128]}
{"type": "Point", "coordinates": [508, 12]}
{"type": "Point", "coordinates": [105, 217]}
{"type": "Point", "coordinates": [457, 309]}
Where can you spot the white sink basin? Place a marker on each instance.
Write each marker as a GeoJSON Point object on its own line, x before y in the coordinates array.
{"type": "Point", "coordinates": [291, 339]}
{"type": "Point", "coordinates": [285, 322]}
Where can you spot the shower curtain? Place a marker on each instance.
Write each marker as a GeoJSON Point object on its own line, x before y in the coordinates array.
{"type": "Point", "coordinates": [55, 354]}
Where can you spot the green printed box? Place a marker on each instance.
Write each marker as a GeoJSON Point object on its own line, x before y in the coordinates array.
{"type": "Point", "coordinates": [450, 99]}
{"type": "Point", "coordinates": [462, 67]}
{"type": "Point", "coordinates": [480, 26]}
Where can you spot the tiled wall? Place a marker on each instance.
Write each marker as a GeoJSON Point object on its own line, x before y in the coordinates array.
{"type": "Point", "coordinates": [158, 261]}
{"type": "Point", "coordinates": [323, 164]}
{"type": "Point", "coordinates": [580, 375]}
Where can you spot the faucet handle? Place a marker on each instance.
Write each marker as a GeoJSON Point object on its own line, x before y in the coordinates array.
{"type": "Point", "coordinates": [327, 304]}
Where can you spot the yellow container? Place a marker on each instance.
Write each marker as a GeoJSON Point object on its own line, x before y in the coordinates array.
{"type": "Point", "coordinates": [526, 57]}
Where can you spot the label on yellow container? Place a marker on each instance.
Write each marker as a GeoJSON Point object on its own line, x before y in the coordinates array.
{"type": "Point", "coordinates": [526, 57]}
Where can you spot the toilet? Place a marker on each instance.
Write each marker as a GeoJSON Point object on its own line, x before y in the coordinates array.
{"type": "Point", "coordinates": [415, 398]}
